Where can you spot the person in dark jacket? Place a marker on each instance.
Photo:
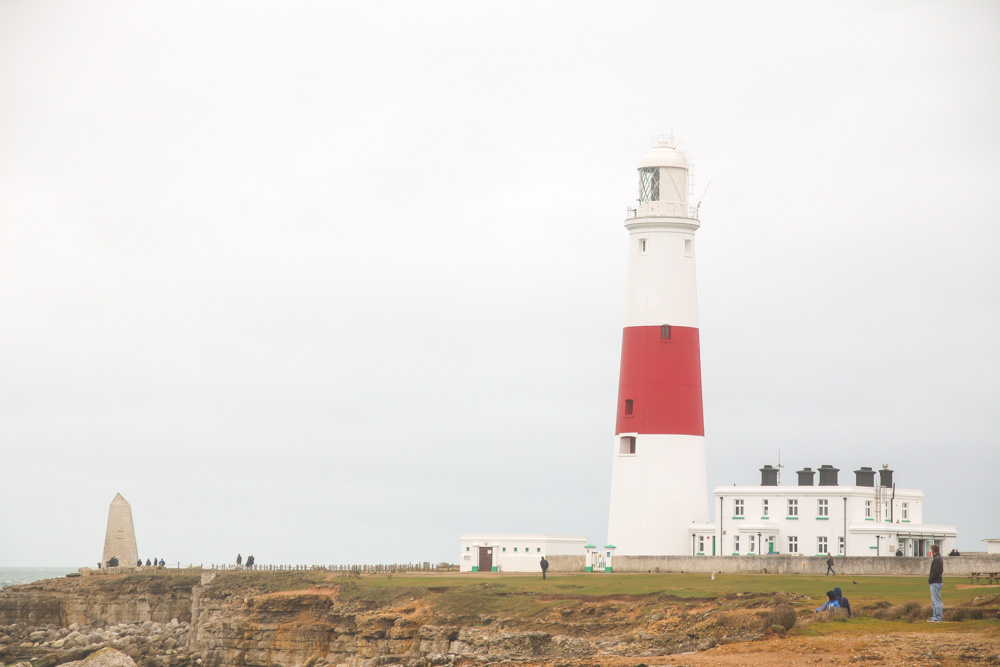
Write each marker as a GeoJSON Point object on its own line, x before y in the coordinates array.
{"type": "Point", "coordinates": [844, 604]}
{"type": "Point", "coordinates": [829, 564]}
{"type": "Point", "coordinates": [545, 566]}
{"type": "Point", "coordinates": [250, 562]}
{"type": "Point", "coordinates": [936, 581]}
{"type": "Point", "coordinates": [239, 560]}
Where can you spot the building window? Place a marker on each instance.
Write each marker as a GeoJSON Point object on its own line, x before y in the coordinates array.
{"type": "Point", "coordinates": [841, 545]}
{"type": "Point", "coordinates": [738, 507]}
{"type": "Point", "coordinates": [515, 549]}
{"type": "Point", "coordinates": [868, 509]}
{"type": "Point", "coordinates": [823, 507]}
{"type": "Point", "coordinates": [688, 248]}
{"type": "Point", "coordinates": [753, 544]}
{"type": "Point", "coordinates": [538, 550]}
{"type": "Point", "coordinates": [627, 445]}
{"type": "Point", "coordinates": [906, 511]}
{"type": "Point", "coordinates": [736, 544]}
{"type": "Point", "coordinates": [793, 544]}
{"type": "Point", "coordinates": [821, 545]}
{"type": "Point", "coordinates": [665, 332]}
{"type": "Point", "coordinates": [793, 507]}
{"type": "Point", "coordinates": [628, 407]}
{"type": "Point", "coordinates": [642, 245]}
{"type": "Point", "coordinates": [701, 544]}
{"type": "Point", "coordinates": [649, 184]}
{"type": "Point", "coordinates": [763, 509]}
{"type": "Point", "coordinates": [466, 548]}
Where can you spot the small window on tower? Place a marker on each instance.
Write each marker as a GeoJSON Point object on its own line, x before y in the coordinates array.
{"type": "Point", "coordinates": [627, 445]}
{"type": "Point", "coordinates": [642, 245]}
{"type": "Point", "coordinates": [665, 332]}
{"type": "Point", "coordinates": [688, 248]}
{"type": "Point", "coordinates": [628, 407]}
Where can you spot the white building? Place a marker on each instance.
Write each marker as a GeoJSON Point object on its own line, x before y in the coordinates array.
{"type": "Point", "coordinates": [992, 545]}
{"type": "Point", "coordinates": [871, 518]}
{"type": "Point", "coordinates": [489, 552]}
{"type": "Point", "coordinates": [658, 473]}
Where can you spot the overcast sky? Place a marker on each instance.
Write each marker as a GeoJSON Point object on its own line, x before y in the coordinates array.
{"type": "Point", "coordinates": [334, 282]}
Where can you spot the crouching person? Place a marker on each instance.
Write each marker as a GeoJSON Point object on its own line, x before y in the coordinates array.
{"type": "Point", "coordinates": [831, 602]}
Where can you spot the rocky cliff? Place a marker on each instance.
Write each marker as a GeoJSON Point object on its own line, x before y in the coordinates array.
{"type": "Point", "coordinates": [280, 620]}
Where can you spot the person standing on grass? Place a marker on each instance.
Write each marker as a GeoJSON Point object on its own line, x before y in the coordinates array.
{"type": "Point", "coordinates": [545, 566]}
{"type": "Point", "coordinates": [239, 560]}
{"type": "Point", "coordinates": [829, 564]}
{"type": "Point", "coordinates": [936, 581]}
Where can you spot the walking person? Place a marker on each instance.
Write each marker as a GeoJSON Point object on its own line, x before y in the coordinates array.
{"type": "Point", "coordinates": [239, 560]}
{"type": "Point", "coordinates": [829, 564]}
{"type": "Point", "coordinates": [936, 581]}
{"type": "Point", "coordinates": [545, 566]}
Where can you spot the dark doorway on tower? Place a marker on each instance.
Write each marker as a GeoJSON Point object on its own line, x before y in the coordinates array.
{"type": "Point", "coordinates": [627, 445]}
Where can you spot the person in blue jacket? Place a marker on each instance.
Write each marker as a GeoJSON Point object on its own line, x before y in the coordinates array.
{"type": "Point", "coordinates": [831, 602]}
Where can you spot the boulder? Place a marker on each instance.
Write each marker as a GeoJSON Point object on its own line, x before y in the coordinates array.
{"type": "Point", "coordinates": [106, 657]}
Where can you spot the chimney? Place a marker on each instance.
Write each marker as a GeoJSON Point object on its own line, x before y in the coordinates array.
{"type": "Point", "coordinates": [828, 475]}
{"type": "Point", "coordinates": [806, 476]}
{"type": "Point", "coordinates": [885, 476]}
{"type": "Point", "coordinates": [865, 477]}
{"type": "Point", "coordinates": [768, 476]}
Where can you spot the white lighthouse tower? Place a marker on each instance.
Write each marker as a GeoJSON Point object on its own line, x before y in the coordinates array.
{"type": "Point", "coordinates": [659, 484]}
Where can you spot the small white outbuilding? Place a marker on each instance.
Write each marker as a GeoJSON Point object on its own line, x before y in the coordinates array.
{"type": "Point", "coordinates": [491, 552]}
{"type": "Point", "coordinates": [992, 545]}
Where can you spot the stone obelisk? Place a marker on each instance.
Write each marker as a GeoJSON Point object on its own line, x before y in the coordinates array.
{"type": "Point", "coordinates": [120, 539]}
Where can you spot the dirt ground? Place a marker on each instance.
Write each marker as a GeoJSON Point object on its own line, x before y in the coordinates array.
{"type": "Point", "coordinates": [918, 649]}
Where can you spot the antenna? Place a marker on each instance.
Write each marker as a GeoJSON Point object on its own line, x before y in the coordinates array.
{"type": "Point", "coordinates": [779, 451]}
{"type": "Point", "coordinates": [700, 199]}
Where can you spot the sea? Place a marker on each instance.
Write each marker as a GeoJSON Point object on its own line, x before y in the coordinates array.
{"type": "Point", "coordinates": [25, 575]}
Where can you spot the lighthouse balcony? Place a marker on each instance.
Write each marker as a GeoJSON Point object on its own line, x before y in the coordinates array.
{"type": "Point", "coordinates": [658, 209]}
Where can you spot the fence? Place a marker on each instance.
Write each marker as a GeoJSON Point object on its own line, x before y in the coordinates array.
{"type": "Point", "coordinates": [344, 570]}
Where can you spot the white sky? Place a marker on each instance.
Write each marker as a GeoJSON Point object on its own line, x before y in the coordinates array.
{"type": "Point", "coordinates": [335, 282]}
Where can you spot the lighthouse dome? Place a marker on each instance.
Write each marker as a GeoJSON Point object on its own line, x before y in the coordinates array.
{"type": "Point", "coordinates": [664, 154]}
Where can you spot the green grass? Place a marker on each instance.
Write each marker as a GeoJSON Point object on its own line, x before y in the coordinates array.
{"type": "Point", "coordinates": [895, 590]}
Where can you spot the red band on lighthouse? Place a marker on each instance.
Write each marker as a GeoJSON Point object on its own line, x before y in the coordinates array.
{"type": "Point", "coordinates": [659, 391]}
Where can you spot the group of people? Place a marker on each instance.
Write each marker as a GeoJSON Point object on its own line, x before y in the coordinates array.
{"type": "Point", "coordinates": [113, 562]}
{"type": "Point", "coordinates": [836, 600]}
{"type": "Point", "coordinates": [239, 561]}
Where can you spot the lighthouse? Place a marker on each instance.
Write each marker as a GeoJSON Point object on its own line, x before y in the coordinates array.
{"type": "Point", "coordinates": [659, 485]}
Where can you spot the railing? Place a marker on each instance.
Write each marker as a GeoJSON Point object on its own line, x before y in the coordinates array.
{"type": "Point", "coordinates": [342, 569]}
{"type": "Point", "coordinates": [660, 209]}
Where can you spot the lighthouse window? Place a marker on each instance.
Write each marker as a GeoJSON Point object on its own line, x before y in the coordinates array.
{"type": "Point", "coordinates": [642, 245]}
{"type": "Point", "coordinates": [649, 184]}
{"type": "Point", "coordinates": [665, 332]}
{"type": "Point", "coordinates": [627, 445]}
{"type": "Point", "coordinates": [628, 406]}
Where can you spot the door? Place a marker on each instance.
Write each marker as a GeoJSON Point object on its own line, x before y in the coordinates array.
{"type": "Point", "coordinates": [485, 559]}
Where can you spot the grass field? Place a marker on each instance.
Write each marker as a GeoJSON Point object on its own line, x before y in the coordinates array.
{"type": "Point", "coordinates": [894, 590]}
